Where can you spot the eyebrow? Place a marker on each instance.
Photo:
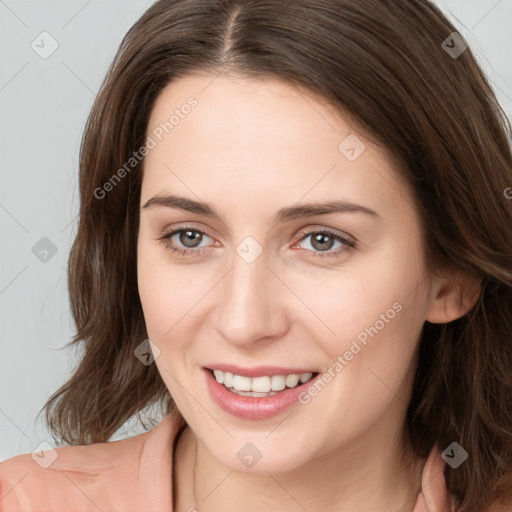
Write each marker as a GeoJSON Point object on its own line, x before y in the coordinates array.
{"type": "Point", "coordinates": [283, 215]}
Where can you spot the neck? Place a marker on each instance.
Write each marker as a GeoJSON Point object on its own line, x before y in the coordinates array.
{"type": "Point", "coordinates": [370, 474]}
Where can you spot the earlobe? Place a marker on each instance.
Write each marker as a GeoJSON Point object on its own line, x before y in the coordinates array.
{"type": "Point", "coordinates": [452, 297]}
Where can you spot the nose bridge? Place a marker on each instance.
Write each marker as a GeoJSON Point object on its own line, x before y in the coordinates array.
{"type": "Point", "coordinates": [248, 306]}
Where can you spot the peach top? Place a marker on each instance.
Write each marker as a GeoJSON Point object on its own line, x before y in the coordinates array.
{"type": "Point", "coordinates": [133, 474]}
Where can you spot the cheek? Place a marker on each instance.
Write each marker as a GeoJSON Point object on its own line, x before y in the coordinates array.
{"type": "Point", "coordinates": [375, 313]}
{"type": "Point", "coordinates": [155, 291]}
{"type": "Point", "coordinates": [170, 294]}
{"type": "Point", "coordinates": [371, 297]}
{"type": "Point", "coordinates": [378, 354]}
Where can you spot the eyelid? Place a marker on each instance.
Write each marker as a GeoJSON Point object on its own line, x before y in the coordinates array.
{"type": "Point", "coordinates": [303, 232]}
{"type": "Point", "coordinates": [168, 234]}
{"type": "Point", "coordinates": [322, 229]}
{"type": "Point", "coordinates": [185, 227]}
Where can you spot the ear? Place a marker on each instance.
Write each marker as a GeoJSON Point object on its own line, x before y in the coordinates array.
{"type": "Point", "coordinates": [452, 296]}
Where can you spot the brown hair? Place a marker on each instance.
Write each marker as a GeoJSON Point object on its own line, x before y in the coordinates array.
{"type": "Point", "coordinates": [383, 63]}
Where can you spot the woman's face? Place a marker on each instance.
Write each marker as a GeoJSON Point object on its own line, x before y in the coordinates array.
{"type": "Point", "coordinates": [267, 289]}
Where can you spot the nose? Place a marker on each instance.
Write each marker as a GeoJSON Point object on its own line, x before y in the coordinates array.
{"type": "Point", "coordinates": [252, 304]}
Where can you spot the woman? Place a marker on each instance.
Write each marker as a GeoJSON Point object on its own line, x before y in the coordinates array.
{"type": "Point", "coordinates": [295, 222]}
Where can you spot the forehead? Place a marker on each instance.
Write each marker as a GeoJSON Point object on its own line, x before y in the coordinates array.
{"type": "Point", "coordinates": [229, 105]}
{"type": "Point", "coordinates": [262, 138]}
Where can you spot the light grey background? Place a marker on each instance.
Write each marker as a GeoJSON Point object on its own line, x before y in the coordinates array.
{"type": "Point", "coordinates": [44, 104]}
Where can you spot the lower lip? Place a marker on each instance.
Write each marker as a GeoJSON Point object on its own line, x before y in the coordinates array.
{"type": "Point", "coordinates": [255, 408]}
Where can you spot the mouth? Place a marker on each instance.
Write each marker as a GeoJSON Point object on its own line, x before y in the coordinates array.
{"type": "Point", "coordinates": [261, 386]}
{"type": "Point", "coordinates": [265, 393]}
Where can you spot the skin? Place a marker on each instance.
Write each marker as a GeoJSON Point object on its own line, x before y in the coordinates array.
{"type": "Point", "coordinates": [250, 148]}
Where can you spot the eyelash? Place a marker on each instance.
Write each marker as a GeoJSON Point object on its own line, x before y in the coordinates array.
{"type": "Point", "coordinates": [304, 234]}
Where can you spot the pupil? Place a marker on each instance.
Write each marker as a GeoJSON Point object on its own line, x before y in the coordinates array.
{"type": "Point", "coordinates": [320, 238]}
{"type": "Point", "coordinates": [187, 236]}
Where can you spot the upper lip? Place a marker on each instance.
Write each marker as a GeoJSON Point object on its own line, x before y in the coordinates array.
{"type": "Point", "coordinates": [257, 371]}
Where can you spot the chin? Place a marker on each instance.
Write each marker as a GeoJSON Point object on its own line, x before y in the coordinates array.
{"type": "Point", "coordinates": [248, 453]}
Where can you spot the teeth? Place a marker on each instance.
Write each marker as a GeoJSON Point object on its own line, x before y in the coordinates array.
{"type": "Point", "coordinates": [252, 393]}
{"type": "Point", "coordinates": [305, 377]}
{"type": "Point", "coordinates": [278, 382]}
{"type": "Point", "coordinates": [219, 376]}
{"type": "Point", "coordinates": [228, 379]}
{"type": "Point", "coordinates": [259, 386]}
{"type": "Point", "coordinates": [242, 383]}
{"type": "Point", "coordinates": [292, 381]}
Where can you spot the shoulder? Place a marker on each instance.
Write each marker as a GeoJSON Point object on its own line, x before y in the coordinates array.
{"type": "Point", "coordinates": [106, 476]}
{"type": "Point", "coordinates": [434, 495]}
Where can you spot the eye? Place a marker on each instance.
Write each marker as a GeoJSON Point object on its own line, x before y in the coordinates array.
{"type": "Point", "coordinates": [187, 239]}
{"type": "Point", "coordinates": [186, 242]}
{"type": "Point", "coordinates": [323, 240]}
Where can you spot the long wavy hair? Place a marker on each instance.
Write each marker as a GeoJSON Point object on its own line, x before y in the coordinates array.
{"type": "Point", "coordinates": [389, 64]}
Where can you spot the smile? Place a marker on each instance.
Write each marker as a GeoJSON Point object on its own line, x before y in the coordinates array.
{"type": "Point", "coordinates": [263, 394]}
{"type": "Point", "coordinates": [266, 385]}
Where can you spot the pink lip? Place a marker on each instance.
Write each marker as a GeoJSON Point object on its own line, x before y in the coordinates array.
{"type": "Point", "coordinates": [257, 371]}
{"type": "Point", "coordinates": [252, 407]}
